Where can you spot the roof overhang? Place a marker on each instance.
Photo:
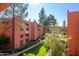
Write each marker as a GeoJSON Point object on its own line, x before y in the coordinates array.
{"type": "Point", "coordinates": [3, 6]}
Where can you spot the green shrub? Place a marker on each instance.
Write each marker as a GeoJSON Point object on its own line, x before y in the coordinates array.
{"type": "Point", "coordinates": [24, 54]}
{"type": "Point", "coordinates": [39, 50]}
{"type": "Point", "coordinates": [28, 54]}
{"type": "Point", "coordinates": [56, 43]}
{"type": "Point", "coordinates": [42, 51]}
{"type": "Point", "coordinates": [4, 40]}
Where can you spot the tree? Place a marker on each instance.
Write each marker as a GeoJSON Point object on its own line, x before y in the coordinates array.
{"type": "Point", "coordinates": [20, 9]}
{"type": "Point", "coordinates": [42, 16]}
{"type": "Point", "coordinates": [64, 24]}
{"type": "Point", "coordinates": [50, 22]}
{"type": "Point", "coordinates": [46, 21]}
{"type": "Point", "coordinates": [64, 27]}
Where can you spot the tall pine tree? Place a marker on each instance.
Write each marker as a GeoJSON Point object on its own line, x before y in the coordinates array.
{"type": "Point", "coordinates": [42, 16]}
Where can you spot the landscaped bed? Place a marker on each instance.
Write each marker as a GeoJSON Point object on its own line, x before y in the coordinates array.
{"type": "Point", "coordinates": [39, 50]}
{"type": "Point", "coordinates": [52, 45]}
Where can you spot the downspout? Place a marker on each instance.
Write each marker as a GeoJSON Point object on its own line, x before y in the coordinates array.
{"type": "Point", "coordinates": [13, 28]}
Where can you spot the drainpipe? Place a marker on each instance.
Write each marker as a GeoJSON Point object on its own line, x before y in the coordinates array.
{"type": "Point", "coordinates": [13, 26]}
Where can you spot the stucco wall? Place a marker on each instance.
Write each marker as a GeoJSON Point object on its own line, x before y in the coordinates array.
{"type": "Point", "coordinates": [73, 33]}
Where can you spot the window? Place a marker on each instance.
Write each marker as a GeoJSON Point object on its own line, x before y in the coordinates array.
{"type": "Point", "coordinates": [26, 34]}
{"type": "Point", "coordinates": [5, 22]}
{"type": "Point", "coordinates": [21, 43]}
{"type": "Point", "coordinates": [21, 29]}
{"type": "Point", "coordinates": [27, 29]}
{"type": "Point", "coordinates": [27, 24]}
{"type": "Point", "coordinates": [2, 22]}
{"type": "Point", "coordinates": [21, 35]}
{"type": "Point", "coordinates": [26, 40]}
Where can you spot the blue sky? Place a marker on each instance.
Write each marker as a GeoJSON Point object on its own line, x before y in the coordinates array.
{"type": "Point", "coordinates": [59, 10]}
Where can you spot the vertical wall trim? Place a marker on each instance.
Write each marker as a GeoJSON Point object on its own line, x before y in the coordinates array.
{"type": "Point", "coordinates": [13, 26]}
